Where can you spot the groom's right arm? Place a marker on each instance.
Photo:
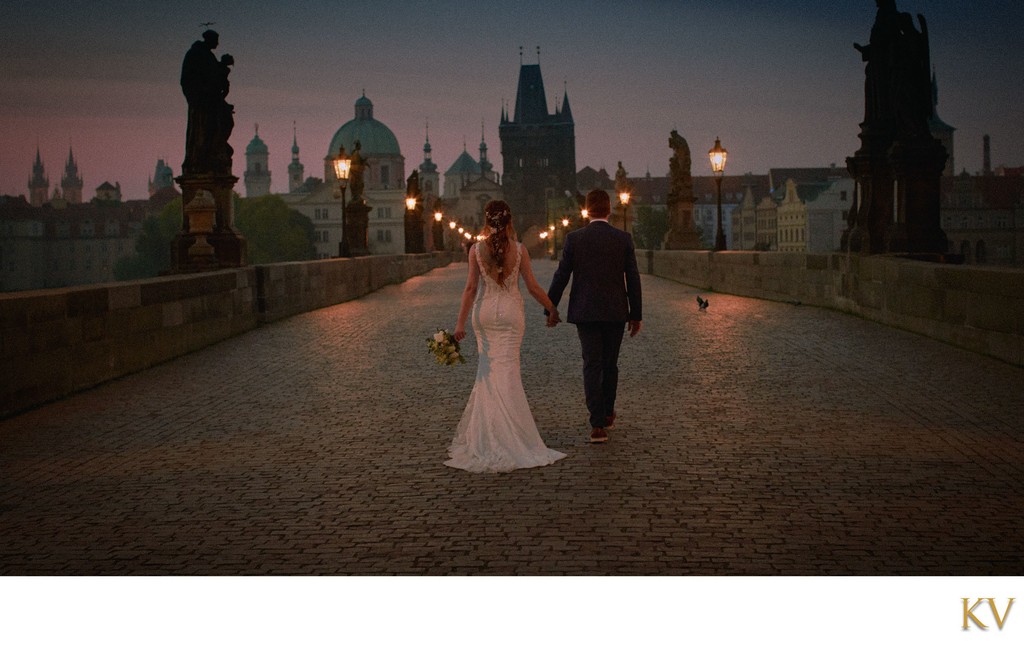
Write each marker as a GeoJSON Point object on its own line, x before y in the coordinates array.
{"type": "Point", "coordinates": [562, 274]}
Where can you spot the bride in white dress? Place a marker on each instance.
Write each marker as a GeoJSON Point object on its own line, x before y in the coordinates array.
{"type": "Point", "coordinates": [497, 431]}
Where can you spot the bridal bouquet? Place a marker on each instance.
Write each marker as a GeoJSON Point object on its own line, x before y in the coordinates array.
{"type": "Point", "coordinates": [445, 348]}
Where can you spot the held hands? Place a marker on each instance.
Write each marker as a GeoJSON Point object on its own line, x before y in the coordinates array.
{"type": "Point", "coordinates": [553, 318]}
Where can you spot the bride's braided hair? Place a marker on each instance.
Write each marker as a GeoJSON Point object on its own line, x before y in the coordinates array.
{"type": "Point", "coordinates": [498, 216]}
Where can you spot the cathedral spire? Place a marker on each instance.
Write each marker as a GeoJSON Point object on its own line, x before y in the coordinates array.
{"type": "Point", "coordinates": [38, 183]}
{"type": "Point", "coordinates": [566, 112]}
{"type": "Point", "coordinates": [428, 165]}
{"type": "Point", "coordinates": [296, 170]}
{"type": "Point", "coordinates": [71, 183]}
{"type": "Point", "coordinates": [485, 165]}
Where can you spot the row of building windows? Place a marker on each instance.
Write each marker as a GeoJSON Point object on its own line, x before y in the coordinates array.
{"type": "Point", "coordinates": [383, 213]}
{"type": "Point", "coordinates": [977, 222]}
{"type": "Point", "coordinates": [542, 162]}
{"type": "Point", "coordinates": [792, 235]}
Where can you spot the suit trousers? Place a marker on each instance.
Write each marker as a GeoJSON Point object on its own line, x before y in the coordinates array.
{"type": "Point", "coordinates": [600, 342]}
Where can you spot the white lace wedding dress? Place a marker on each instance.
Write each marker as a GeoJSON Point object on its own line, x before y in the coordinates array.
{"type": "Point", "coordinates": [497, 431]}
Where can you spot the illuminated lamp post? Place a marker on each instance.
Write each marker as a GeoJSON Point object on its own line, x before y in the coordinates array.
{"type": "Point", "coordinates": [342, 167]}
{"type": "Point", "coordinates": [624, 200]}
{"type": "Point", "coordinates": [438, 228]}
{"type": "Point", "coordinates": [717, 155]}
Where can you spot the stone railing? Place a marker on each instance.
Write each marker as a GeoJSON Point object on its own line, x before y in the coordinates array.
{"type": "Point", "coordinates": [55, 342]}
{"type": "Point", "coordinates": [976, 308]}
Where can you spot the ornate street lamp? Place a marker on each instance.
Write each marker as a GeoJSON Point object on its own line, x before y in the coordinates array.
{"type": "Point", "coordinates": [717, 155]}
{"type": "Point", "coordinates": [342, 167]}
{"type": "Point", "coordinates": [451, 228]}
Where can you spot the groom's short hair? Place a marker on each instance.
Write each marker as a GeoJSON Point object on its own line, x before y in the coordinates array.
{"type": "Point", "coordinates": [598, 204]}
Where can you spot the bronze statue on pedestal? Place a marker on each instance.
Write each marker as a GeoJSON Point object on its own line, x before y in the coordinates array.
{"type": "Point", "coordinates": [680, 201]}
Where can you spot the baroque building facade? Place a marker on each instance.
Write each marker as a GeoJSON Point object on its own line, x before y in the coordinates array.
{"type": "Point", "coordinates": [60, 244]}
{"type": "Point", "coordinates": [384, 189]}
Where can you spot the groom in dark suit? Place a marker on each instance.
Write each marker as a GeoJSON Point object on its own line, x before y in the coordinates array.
{"type": "Point", "coordinates": [604, 300]}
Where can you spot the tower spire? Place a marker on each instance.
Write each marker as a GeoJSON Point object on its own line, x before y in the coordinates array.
{"type": "Point", "coordinates": [296, 170]}
{"type": "Point", "coordinates": [38, 183]}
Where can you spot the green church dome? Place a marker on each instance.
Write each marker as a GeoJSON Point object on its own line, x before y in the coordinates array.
{"type": "Point", "coordinates": [256, 145]}
{"type": "Point", "coordinates": [375, 138]}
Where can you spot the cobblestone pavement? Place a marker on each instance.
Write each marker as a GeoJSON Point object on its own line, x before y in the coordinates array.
{"type": "Point", "coordinates": [755, 438]}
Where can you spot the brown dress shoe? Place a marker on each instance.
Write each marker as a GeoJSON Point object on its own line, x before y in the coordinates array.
{"type": "Point", "coordinates": [598, 436]}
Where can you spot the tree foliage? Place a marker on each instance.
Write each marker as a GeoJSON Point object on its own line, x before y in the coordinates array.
{"type": "Point", "coordinates": [152, 246]}
{"type": "Point", "coordinates": [274, 233]}
{"type": "Point", "coordinates": [650, 227]}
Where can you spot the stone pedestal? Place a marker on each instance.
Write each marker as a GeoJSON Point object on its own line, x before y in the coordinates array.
{"type": "Point", "coordinates": [414, 231]}
{"type": "Point", "coordinates": [871, 213]}
{"type": "Point", "coordinates": [896, 202]}
{"type": "Point", "coordinates": [917, 170]}
{"type": "Point", "coordinates": [438, 233]}
{"type": "Point", "coordinates": [357, 224]}
{"type": "Point", "coordinates": [682, 234]}
{"type": "Point", "coordinates": [229, 248]}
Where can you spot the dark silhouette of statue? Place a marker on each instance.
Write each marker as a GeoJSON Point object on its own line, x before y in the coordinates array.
{"type": "Point", "coordinates": [682, 233]}
{"type": "Point", "coordinates": [878, 56]}
{"type": "Point", "coordinates": [680, 179]}
{"type": "Point", "coordinates": [621, 179]}
{"type": "Point", "coordinates": [911, 83]}
{"type": "Point", "coordinates": [899, 163]}
{"type": "Point", "coordinates": [357, 168]}
{"type": "Point", "coordinates": [897, 82]}
{"type": "Point", "coordinates": [412, 185]}
{"type": "Point", "coordinates": [204, 81]}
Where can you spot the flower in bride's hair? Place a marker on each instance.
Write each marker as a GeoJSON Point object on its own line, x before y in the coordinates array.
{"type": "Point", "coordinates": [445, 348]}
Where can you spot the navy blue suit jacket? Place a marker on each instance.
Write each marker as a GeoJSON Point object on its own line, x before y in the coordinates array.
{"type": "Point", "coordinates": [605, 281]}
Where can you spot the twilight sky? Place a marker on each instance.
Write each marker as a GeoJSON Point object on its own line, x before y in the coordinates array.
{"type": "Point", "coordinates": [778, 81]}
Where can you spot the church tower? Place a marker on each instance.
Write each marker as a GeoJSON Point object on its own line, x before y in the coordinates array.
{"type": "Point", "coordinates": [538, 151]}
{"type": "Point", "coordinates": [38, 183]}
{"type": "Point", "coordinates": [486, 168]}
{"type": "Point", "coordinates": [429, 178]}
{"type": "Point", "coordinates": [71, 183]}
{"type": "Point", "coordinates": [163, 177]}
{"type": "Point", "coordinates": [296, 170]}
{"type": "Point", "coordinates": [257, 171]}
